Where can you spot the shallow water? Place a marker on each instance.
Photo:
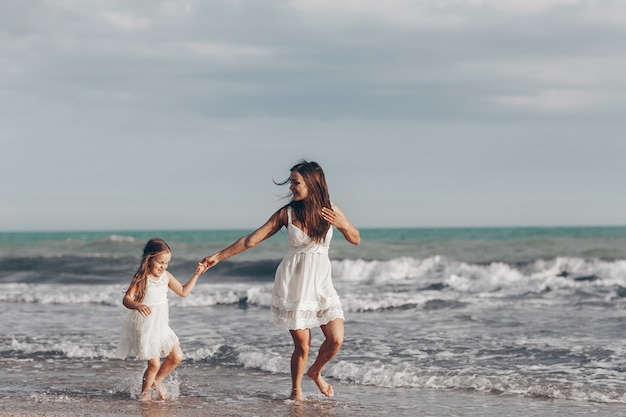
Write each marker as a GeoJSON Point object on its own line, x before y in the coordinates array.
{"type": "Point", "coordinates": [426, 323]}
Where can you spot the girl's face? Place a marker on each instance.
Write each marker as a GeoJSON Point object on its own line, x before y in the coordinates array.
{"type": "Point", "coordinates": [298, 187]}
{"type": "Point", "coordinates": [159, 264]}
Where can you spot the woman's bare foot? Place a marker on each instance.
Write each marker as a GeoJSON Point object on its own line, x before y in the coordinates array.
{"type": "Point", "coordinates": [324, 387]}
{"type": "Point", "coordinates": [296, 394]}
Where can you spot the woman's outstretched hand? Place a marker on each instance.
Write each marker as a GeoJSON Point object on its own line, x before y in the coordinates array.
{"type": "Point", "coordinates": [210, 261]}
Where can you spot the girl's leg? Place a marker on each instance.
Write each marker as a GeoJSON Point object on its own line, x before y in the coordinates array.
{"type": "Point", "coordinates": [148, 378]}
{"type": "Point", "coordinates": [334, 332]}
{"type": "Point", "coordinates": [299, 358]}
{"type": "Point", "coordinates": [171, 362]}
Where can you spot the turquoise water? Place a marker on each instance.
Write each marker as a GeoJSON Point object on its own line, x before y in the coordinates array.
{"type": "Point", "coordinates": [480, 245]}
{"type": "Point", "coordinates": [496, 233]}
{"type": "Point", "coordinates": [379, 234]}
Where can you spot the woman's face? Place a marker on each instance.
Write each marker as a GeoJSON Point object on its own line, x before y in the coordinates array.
{"type": "Point", "coordinates": [298, 187]}
{"type": "Point", "coordinates": [159, 264]}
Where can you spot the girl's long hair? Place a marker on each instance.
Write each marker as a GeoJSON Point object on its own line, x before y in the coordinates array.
{"type": "Point", "coordinates": [139, 283]}
{"type": "Point", "coordinates": [309, 213]}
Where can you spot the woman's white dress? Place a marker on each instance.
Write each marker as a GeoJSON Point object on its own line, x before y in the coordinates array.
{"type": "Point", "coordinates": [151, 336]}
{"type": "Point", "coordinates": [304, 295]}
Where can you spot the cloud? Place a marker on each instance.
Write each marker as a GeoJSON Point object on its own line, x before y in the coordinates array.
{"type": "Point", "coordinates": [404, 12]}
{"type": "Point", "coordinates": [176, 7]}
{"type": "Point", "coordinates": [567, 72]}
{"type": "Point", "coordinates": [572, 71]}
{"type": "Point", "coordinates": [557, 84]}
{"type": "Point", "coordinates": [444, 13]}
{"type": "Point", "coordinates": [609, 11]}
{"type": "Point", "coordinates": [224, 50]}
{"type": "Point", "coordinates": [67, 4]}
{"type": "Point", "coordinates": [555, 100]}
{"type": "Point", "coordinates": [127, 21]}
{"type": "Point", "coordinates": [520, 7]}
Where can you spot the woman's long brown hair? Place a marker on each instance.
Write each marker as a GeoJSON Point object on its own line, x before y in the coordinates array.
{"type": "Point", "coordinates": [309, 213]}
{"type": "Point", "coordinates": [139, 284]}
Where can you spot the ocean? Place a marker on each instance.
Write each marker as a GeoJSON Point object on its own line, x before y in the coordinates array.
{"type": "Point", "coordinates": [448, 321]}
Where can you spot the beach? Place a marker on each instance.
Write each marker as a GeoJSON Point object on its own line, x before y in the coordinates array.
{"type": "Point", "coordinates": [517, 322]}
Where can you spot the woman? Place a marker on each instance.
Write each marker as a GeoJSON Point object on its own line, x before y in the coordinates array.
{"type": "Point", "coordinates": [304, 295]}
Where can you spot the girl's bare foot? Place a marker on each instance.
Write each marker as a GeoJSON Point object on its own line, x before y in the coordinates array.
{"type": "Point", "coordinates": [145, 396]}
{"type": "Point", "coordinates": [324, 387]}
{"type": "Point", "coordinates": [161, 393]}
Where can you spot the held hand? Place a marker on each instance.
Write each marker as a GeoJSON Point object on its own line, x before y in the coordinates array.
{"type": "Point", "coordinates": [201, 268]}
{"type": "Point", "coordinates": [144, 310]}
{"type": "Point", "coordinates": [210, 261]}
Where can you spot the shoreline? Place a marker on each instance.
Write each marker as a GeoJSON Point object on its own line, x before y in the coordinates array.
{"type": "Point", "coordinates": [238, 392]}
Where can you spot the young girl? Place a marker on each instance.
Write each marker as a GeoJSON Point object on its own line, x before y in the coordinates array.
{"type": "Point", "coordinates": [146, 332]}
{"type": "Point", "coordinates": [304, 296]}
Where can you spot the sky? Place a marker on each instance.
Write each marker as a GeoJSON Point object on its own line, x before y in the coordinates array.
{"type": "Point", "coordinates": [181, 114]}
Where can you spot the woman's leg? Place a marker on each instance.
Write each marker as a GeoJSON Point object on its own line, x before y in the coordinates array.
{"type": "Point", "coordinates": [334, 332]}
{"type": "Point", "coordinates": [148, 377]}
{"type": "Point", "coordinates": [299, 359]}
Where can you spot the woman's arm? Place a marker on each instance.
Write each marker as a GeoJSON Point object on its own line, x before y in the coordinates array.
{"type": "Point", "coordinates": [337, 218]}
{"type": "Point", "coordinates": [273, 225]}
{"type": "Point", "coordinates": [185, 290]}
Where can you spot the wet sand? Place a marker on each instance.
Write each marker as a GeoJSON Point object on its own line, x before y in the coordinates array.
{"type": "Point", "coordinates": [246, 393]}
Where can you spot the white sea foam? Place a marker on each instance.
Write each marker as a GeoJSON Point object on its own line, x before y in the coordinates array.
{"type": "Point", "coordinates": [69, 349]}
{"type": "Point", "coordinates": [252, 358]}
{"type": "Point", "coordinates": [61, 294]}
{"type": "Point", "coordinates": [400, 376]}
{"type": "Point", "coordinates": [120, 238]}
{"type": "Point", "coordinates": [374, 285]}
{"type": "Point", "coordinates": [484, 278]}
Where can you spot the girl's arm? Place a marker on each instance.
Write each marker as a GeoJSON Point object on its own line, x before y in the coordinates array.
{"type": "Point", "coordinates": [337, 218]}
{"type": "Point", "coordinates": [273, 225]}
{"type": "Point", "coordinates": [130, 303]}
{"type": "Point", "coordinates": [185, 290]}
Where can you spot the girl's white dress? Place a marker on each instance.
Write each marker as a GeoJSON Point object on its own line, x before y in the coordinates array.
{"type": "Point", "coordinates": [304, 295]}
{"type": "Point", "coordinates": [149, 337]}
